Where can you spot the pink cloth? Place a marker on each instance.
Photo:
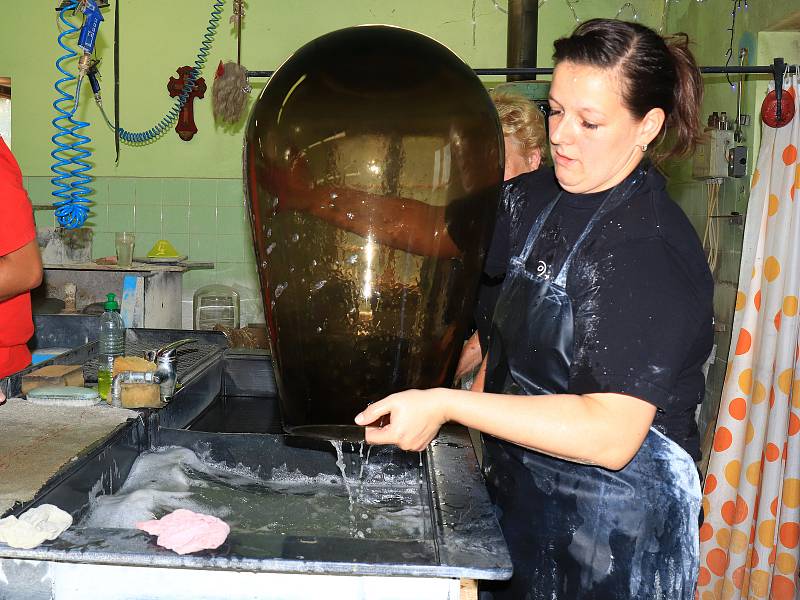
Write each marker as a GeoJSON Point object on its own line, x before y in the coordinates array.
{"type": "Point", "coordinates": [185, 531]}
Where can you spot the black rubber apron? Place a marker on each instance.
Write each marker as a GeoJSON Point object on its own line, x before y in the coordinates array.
{"type": "Point", "coordinates": [576, 531]}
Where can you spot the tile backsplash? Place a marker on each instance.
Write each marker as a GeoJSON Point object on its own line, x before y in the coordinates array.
{"type": "Point", "coordinates": [205, 219]}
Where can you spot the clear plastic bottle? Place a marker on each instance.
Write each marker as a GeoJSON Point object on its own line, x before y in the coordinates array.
{"type": "Point", "coordinates": [111, 343]}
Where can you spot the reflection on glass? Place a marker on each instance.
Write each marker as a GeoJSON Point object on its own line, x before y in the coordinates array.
{"type": "Point", "coordinates": [373, 165]}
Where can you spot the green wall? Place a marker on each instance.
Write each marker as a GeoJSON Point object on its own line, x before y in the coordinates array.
{"type": "Point", "coordinates": [157, 37]}
{"type": "Point", "coordinates": [707, 25]}
{"type": "Point", "coordinates": [190, 192]}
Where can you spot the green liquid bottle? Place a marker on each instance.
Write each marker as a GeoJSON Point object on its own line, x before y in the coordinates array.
{"type": "Point", "coordinates": [111, 343]}
{"type": "Point", "coordinates": [104, 379]}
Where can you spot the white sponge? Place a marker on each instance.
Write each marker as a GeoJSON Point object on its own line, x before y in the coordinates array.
{"type": "Point", "coordinates": [63, 396]}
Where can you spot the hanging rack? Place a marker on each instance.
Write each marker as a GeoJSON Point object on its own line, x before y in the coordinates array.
{"type": "Point", "coordinates": [778, 69]}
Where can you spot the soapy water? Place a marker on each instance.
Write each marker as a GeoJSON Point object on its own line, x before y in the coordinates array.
{"type": "Point", "coordinates": [381, 503]}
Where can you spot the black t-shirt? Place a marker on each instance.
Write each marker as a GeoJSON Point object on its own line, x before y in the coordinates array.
{"type": "Point", "coordinates": [640, 288]}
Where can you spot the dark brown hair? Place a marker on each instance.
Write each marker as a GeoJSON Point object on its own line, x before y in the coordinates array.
{"type": "Point", "coordinates": [656, 72]}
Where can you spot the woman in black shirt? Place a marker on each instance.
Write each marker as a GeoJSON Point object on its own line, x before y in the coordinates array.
{"type": "Point", "coordinates": [597, 340]}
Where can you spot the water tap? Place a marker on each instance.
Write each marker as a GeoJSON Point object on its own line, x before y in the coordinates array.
{"type": "Point", "coordinates": [143, 377]}
{"type": "Point", "coordinates": [165, 358]}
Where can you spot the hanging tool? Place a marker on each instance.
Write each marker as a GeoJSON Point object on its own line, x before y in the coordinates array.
{"type": "Point", "coordinates": [737, 155]}
{"type": "Point", "coordinates": [777, 109]}
{"type": "Point", "coordinates": [71, 154]}
{"type": "Point", "coordinates": [738, 134]}
{"type": "Point", "coordinates": [230, 90]}
{"type": "Point", "coordinates": [116, 81]}
{"type": "Point", "coordinates": [155, 132]}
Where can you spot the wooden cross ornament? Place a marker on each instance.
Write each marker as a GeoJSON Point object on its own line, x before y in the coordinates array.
{"type": "Point", "coordinates": [186, 127]}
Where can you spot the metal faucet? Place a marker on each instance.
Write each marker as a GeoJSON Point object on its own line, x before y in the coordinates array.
{"type": "Point", "coordinates": [164, 375]}
{"type": "Point", "coordinates": [143, 377]}
{"type": "Point", "coordinates": [165, 358]}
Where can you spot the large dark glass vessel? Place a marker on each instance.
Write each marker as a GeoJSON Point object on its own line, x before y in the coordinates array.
{"type": "Point", "coordinates": [373, 164]}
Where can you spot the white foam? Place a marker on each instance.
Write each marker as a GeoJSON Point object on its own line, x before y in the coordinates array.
{"type": "Point", "coordinates": [287, 502]}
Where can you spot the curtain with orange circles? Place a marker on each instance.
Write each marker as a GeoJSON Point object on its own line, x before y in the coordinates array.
{"type": "Point", "coordinates": [751, 504]}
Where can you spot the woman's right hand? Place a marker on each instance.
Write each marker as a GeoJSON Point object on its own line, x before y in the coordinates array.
{"type": "Point", "coordinates": [409, 419]}
{"type": "Point", "coordinates": [470, 356]}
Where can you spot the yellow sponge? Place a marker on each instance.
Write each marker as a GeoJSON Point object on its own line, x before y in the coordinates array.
{"type": "Point", "coordinates": [132, 363]}
{"type": "Point", "coordinates": [53, 375]}
{"type": "Point", "coordinates": [138, 395]}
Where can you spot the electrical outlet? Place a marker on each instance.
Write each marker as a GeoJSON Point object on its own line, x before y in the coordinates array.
{"type": "Point", "coordinates": [737, 161]}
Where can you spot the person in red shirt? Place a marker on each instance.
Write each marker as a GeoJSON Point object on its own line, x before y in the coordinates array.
{"type": "Point", "coordinates": [20, 266]}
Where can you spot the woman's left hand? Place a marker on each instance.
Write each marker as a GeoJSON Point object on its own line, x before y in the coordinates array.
{"type": "Point", "coordinates": [414, 419]}
{"type": "Point", "coordinates": [470, 358]}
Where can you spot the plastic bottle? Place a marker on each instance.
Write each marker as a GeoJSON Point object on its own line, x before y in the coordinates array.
{"type": "Point", "coordinates": [111, 343]}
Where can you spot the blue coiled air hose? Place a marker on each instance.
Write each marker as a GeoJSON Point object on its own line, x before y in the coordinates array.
{"type": "Point", "coordinates": [164, 124]}
{"type": "Point", "coordinates": [70, 153]}
{"type": "Point", "coordinates": [71, 166]}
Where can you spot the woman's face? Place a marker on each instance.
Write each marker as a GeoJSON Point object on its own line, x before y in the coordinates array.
{"type": "Point", "coordinates": [517, 161]}
{"type": "Point", "coordinates": [594, 140]}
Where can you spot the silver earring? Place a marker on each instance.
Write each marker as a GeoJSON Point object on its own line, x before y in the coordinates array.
{"type": "Point", "coordinates": [644, 147]}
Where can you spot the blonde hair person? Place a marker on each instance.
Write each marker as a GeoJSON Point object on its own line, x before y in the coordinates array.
{"type": "Point", "coordinates": [525, 141]}
{"type": "Point", "coordinates": [523, 132]}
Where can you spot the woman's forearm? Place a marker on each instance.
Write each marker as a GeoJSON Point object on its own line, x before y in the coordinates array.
{"type": "Point", "coordinates": [480, 378]}
{"type": "Point", "coordinates": [602, 429]}
{"type": "Point", "coordinates": [401, 223]}
{"type": "Point", "coordinates": [470, 357]}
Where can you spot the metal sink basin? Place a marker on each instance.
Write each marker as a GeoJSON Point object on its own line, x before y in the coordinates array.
{"type": "Point", "coordinates": [228, 411]}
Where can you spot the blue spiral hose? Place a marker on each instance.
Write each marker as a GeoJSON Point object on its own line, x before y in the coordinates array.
{"type": "Point", "coordinates": [70, 169]}
{"type": "Point", "coordinates": [169, 119]}
{"type": "Point", "coordinates": [70, 154]}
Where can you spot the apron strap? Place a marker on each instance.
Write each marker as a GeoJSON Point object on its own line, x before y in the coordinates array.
{"type": "Point", "coordinates": [534, 232]}
{"type": "Point", "coordinates": [618, 196]}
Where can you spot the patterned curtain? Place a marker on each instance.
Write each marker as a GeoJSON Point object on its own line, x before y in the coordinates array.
{"type": "Point", "coordinates": [749, 540]}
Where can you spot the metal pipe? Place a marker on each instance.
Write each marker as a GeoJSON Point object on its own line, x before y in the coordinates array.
{"type": "Point", "coordinates": [738, 136]}
{"type": "Point", "coordinates": [139, 377]}
{"type": "Point", "coordinates": [523, 22]}
{"type": "Point", "coordinates": [166, 358]}
{"type": "Point", "coordinates": [768, 70]}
